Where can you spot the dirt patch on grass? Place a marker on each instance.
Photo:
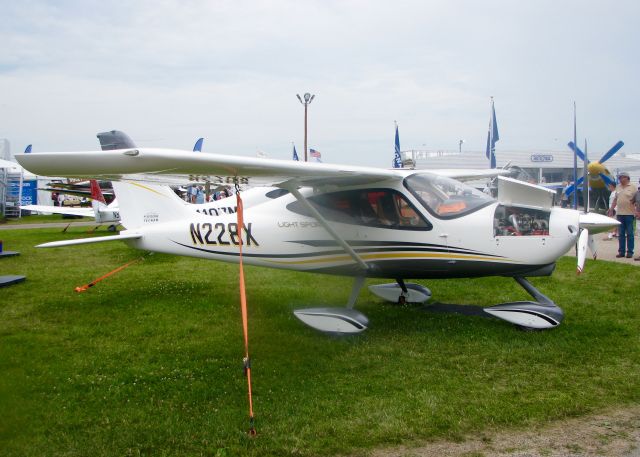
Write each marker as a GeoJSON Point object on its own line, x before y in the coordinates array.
{"type": "Point", "coordinates": [614, 433]}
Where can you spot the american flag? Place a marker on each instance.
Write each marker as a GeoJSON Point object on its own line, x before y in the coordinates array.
{"type": "Point", "coordinates": [315, 154]}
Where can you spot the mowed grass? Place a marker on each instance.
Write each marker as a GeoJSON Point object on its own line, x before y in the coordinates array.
{"type": "Point", "coordinates": [149, 362]}
{"type": "Point", "coordinates": [43, 218]}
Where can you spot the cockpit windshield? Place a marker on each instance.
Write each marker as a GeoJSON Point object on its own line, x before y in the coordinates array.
{"type": "Point", "coordinates": [444, 197]}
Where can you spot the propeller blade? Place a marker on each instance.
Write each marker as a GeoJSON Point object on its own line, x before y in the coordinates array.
{"type": "Point", "coordinates": [577, 150]}
{"type": "Point", "coordinates": [607, 179]}
{"type": "Point", "coordinates": [611, 152]}
{"type": "Point", "coordinates": [583, 241]}
{"type": "Point", "coordinates": [572, 187]}
{"type": "Point", "coordinates": [593, 247]}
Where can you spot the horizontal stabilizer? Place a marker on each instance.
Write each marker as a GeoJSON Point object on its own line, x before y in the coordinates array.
{"type": "Point", "coordinates": [98, 239]}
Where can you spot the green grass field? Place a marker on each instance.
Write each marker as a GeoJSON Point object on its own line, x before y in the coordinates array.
{"type": "Point", "coordinates": [149, 362]}
{"type": "Point", "coordinates": [41, 219]}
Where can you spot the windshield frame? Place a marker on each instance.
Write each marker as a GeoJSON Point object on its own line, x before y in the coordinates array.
{"type": "Point", "coordinates": [431, 178]}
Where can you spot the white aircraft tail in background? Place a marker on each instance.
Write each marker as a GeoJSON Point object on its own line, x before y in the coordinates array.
{"type": "Point", "coordinates": [103, 213]}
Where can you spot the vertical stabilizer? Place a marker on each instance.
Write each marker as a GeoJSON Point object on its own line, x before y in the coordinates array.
{"type": "Point", "coordinates": [115, 139]}
{"type": "Point", "coordinates": [144, 204]}
{"type": "Point", "coordinates": [98, 203]}
{"type": "Point", "coordinates": [96, 193]}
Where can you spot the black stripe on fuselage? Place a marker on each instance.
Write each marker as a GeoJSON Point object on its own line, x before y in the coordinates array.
{"type": "Point", "coordinates": [403, 244]}
{"type": "Point", "coordinates": [403, 247]}
{"type": "Point", "coordinates": [406, 268]}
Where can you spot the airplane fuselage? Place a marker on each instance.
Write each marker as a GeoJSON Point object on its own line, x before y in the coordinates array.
{"type": "Point", "coordinates": [277, 235]}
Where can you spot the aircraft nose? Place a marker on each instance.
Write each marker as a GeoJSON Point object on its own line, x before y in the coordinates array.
{"type": "Point", "coordinates": [597, 223]}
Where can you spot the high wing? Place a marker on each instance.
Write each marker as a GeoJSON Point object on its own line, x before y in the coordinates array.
{"type": "Point", "coordinates": [171, 166]}
{"type": "Point", "coordinates": [84, 212]}
{"type": "Point", "coordinates": [470, 174]}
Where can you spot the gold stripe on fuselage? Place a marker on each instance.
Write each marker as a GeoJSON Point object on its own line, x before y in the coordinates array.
{"type": "Point", "coordinates": [395, 256]}
{"type": "Point", "coordinates": [145, 188]}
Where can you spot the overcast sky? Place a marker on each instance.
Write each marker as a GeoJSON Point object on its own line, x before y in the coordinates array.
{"type": "Point", "coordinates": [168, 71]}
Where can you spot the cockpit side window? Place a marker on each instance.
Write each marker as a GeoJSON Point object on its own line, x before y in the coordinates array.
{"type": "Point", "coordinates": [444, 197]}
{"type": "Point", "coordinates": [384, 208]}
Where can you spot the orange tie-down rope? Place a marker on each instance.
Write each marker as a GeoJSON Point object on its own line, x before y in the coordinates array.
{"type": "Point", "coordinates": [112, 272]}
{"type": "Point", "coordinates": [243, 306]}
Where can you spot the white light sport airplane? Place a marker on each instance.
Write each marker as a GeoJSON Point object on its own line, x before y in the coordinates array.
{"type": "Point", "coordinates": [346, 220]}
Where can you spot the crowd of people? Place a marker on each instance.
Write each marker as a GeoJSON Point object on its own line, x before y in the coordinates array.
{"type": "Point", "coordinates": [197, 194]}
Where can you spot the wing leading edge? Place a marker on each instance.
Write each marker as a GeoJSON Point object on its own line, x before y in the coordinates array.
{"type": "Point", "coordinates": [169, 165]}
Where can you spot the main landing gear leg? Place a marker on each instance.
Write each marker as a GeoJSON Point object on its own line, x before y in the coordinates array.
{"type": "Point", "coordinates": [358, 282]}
{"type": "Point", "coordinates": [529, 315]}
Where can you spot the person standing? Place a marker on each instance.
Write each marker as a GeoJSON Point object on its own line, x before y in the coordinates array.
{"type": "Point", "coordinates": [199, 195]}
{"type": "Point", "coordinates": [625, 213]}
{"type": "Point", "coordinates": [636, 202]}
{"type": "Point", "coordinates": [564, 198]}
{"type": "Point", "coordinates": [611, 212]}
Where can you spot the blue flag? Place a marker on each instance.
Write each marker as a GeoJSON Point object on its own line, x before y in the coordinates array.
{"type": "Point", "coordinates": [295, 154]}
{"type": "Point", "coordinates": [492, 137]}
{"type": "Point", "coordinates": [198, 146]}
{"type": "Point", "coordinates": [397, 159]}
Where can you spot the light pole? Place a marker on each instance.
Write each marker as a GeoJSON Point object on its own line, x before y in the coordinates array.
{"type": "Point", "coordinates": [460, 146]}
{"type": "Point", "coordinates": [308, 98]}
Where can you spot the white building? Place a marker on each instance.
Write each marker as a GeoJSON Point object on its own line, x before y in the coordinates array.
{"type": "Point", "coordinates": [543, 166]}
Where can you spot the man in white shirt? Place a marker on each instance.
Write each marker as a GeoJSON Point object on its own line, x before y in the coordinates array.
{"type": "Point", "coordinates": [625, 213]}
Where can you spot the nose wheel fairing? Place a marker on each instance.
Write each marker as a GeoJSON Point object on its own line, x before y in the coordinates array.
{"type": "Point", "coordinates": [401, 292]}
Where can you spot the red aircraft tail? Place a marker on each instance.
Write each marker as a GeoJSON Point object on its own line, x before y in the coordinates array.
{"type": "Point", "coordinates": [96, 193]}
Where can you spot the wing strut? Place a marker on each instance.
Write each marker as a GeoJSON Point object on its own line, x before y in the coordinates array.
{"type": "Point", "coordinates": [328, 227]}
